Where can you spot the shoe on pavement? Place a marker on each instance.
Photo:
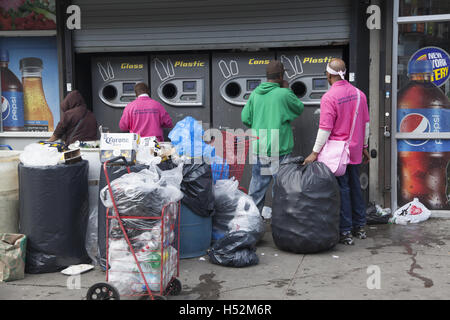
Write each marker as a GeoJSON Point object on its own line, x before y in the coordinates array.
{"type": "Point", "coordinates": [346, 238]}
{"type": "Point", "coordinates": [360, 233]}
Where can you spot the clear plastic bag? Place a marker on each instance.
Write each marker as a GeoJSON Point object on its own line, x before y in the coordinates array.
{"type": "Point", "coordinates": [92, 237]}
{"type": "Point", "coordinates": [144, 193]}
{"type": "Point", "coordinates": [36, 154]}
{"type": "Point", "coordinates": [235, 211]}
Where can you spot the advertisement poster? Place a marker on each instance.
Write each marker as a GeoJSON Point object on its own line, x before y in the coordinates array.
{"type": "Point", "coordinates": [423, 107]}
{"type": "Point", "coordinates": [30, 84]}
{"type": "Point", "coordinates": [27, 15]}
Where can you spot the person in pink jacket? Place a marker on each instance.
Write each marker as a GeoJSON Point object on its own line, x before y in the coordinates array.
{"type": "Point", "coordinates": [144, 115]}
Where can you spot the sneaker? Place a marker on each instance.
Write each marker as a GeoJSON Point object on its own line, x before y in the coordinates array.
{"type": "Point", "coordinates": [346, 238]}
{"type": "Point", "coordinates": [360, 233]}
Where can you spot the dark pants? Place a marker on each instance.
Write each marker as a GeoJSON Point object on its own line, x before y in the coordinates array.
{"type": "Point", "coordinates": [353, 211]}
{"type": "Point", "coordinates": [262, 173]}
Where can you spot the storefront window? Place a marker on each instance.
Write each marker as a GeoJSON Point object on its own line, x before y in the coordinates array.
{"type": "Point", "coordinates": [424, 7]}
{"type": "Point", "coordinates": [423, 108]}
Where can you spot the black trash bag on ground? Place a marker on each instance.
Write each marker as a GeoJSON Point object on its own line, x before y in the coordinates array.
{"type": "Point", "coordinates": [306, 207]}
{"type": "Point", "coordinates": [374, 217]}
{"type": "Point", "coordinates": [197, 187]}
{"type": "Point", "coordinates": [236, 249]}
{"type": "Point", "coordinates": [54, 212]}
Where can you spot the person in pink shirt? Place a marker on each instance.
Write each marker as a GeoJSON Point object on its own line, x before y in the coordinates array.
{"type": "Point", "coordinates": [337, 109]}
{"type": "Point", "coordinates": [144, 115]}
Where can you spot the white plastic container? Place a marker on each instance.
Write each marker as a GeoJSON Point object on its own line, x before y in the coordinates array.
{"type": "Point", "coordinates": [9, 191]}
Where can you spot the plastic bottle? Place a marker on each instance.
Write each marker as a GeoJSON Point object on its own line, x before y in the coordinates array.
{"type": "Point", "coordinates": [423, 108]}
{"type": "Point", "coordinates": [11, 96]}
{"type": "Point", "coordinates": [38, 116]}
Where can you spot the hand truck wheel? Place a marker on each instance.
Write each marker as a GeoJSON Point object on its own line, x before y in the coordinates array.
{"type": "Point", "coordinates": [174, 288]}
{"type": "Point", "coordinates": [102, 291]}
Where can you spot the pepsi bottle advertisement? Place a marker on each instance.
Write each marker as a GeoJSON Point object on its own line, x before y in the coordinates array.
{"type": "Point", "coordinates": [29, 83]}
{"type": "Point", "coordinates": [423, 108]}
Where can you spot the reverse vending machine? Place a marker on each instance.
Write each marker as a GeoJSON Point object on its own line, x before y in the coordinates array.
{"type": "Point", "coordinates": [235, 76]}
{"type": "Point", "coordinates": [181, 83]}
{"type": "Point", "coordinates": [306, 76]}
{"type": "Point", "coordinates": [113, 81]}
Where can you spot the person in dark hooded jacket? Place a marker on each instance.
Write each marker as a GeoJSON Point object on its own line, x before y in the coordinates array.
{"type": "Point", "coordinates": [77, 123]}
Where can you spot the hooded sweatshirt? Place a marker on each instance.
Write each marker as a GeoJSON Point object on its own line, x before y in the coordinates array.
{"type": "Point", "coordinates": [74, 109]}
{"type": "Point", "coordinates": [272, 107]}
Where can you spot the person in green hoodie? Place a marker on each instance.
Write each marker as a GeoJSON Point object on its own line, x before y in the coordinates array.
{"type": "Point", "coordinates": [269, 111]}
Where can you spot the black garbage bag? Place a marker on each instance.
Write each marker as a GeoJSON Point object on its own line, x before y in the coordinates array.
{"type": "Point", "coordinates": [306, 206]}
{"type": "Point", "coordinates": [54, 212]}
{"type": "Point", "coordinates": [235, 249]}
{"type": "Point", "coordinates": [374, 217]}
{"type": "Point", "coordinates": [197, 187]}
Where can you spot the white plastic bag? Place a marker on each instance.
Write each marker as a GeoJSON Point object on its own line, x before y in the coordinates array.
{"type": "Point", "coordinates": [412, 212]}
{"type": "Point", "coordinates": [36, 154]}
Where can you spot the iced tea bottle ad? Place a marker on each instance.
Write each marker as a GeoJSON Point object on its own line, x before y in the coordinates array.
{"type": "Point", "coordinates": [38, 116]}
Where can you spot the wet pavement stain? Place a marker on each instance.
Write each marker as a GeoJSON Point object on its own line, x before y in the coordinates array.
{"type": "Point", "coordinates": [207, 289]}
{"type": "Point", "coordinates": [291, 292]}
{"type": "Point", "coordinates": [280, 283]}
{"type": "Point", "coordinates": [406, 236]}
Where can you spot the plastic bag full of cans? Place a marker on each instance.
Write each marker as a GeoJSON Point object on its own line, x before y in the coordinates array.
{"type": "Point", "coordinates": [154, 246]}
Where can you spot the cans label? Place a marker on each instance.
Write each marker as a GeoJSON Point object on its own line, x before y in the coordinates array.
{"type": "Point", "coordinates": [424, 121]}
{"type": "Point", "coordinates": [12, 109]}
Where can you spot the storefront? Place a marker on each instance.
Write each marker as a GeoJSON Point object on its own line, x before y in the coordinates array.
{"type": "Point", "coordinates": [420, 104]}
{"type": "Point", "coordinates": [220, 35]}
{"type": "Point", "coordinates": [31, 79]}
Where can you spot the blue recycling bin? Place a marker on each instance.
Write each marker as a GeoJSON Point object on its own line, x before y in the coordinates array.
{"type": "Point", "coordinates": [195, 233]}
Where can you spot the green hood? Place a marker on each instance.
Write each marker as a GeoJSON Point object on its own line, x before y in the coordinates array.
{"type": "Point", "coordinates": [266, 87]}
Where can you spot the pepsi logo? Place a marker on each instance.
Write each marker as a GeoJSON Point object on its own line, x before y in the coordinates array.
{"type": "Point", "coordinates": [5, 108]}
{"type": "Point", "coordinates": [415, 123]}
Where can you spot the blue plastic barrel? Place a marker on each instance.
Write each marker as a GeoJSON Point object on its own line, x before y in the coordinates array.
{"type": "Point", "coordinates": [195, 233]}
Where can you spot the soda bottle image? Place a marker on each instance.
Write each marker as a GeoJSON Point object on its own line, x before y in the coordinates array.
{"type": "Point", "coordinates": [38, 116]}
{"type": "Point", "coordinates": [422, 164]}
{"type": "Point", "coordinates": [11, 96]}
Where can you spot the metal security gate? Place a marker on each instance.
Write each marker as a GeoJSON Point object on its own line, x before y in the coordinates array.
{"type": "Point", "coordinates": [162, 25]}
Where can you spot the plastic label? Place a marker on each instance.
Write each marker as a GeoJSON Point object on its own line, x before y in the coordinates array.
{"type": "Point", "coordinates": [12, 109]}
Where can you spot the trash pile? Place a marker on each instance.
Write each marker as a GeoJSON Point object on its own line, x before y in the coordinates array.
{"type": "Point", "coordinates": [237, 226]}
{"type": "Point", "coordinates": [375, 214]}
{"type": "Point", "coordinates": [147, 194]}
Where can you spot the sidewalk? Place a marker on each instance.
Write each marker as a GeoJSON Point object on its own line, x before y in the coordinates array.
{"type": "Point", "coordinates": [414, 262]}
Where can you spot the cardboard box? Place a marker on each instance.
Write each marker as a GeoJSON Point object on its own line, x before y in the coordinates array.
{"type": "Point", "coordinates": [118, 144]}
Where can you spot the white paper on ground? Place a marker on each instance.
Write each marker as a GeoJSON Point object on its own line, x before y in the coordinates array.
{"type": "Point", "coordinates": [77, 269]}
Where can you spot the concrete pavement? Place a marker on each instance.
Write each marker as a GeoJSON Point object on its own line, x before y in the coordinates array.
{"type": "Point", "coordinates": [413, 262]}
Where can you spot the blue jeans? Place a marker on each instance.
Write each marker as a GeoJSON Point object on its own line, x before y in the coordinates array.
{"type": "Point", "coordinates": [353, 211]}
{"type": "Point", "coordinates": [262, 173]}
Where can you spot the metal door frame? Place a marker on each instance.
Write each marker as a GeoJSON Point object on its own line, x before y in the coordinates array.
{"type": "Point", "coordinates": [400, 136]}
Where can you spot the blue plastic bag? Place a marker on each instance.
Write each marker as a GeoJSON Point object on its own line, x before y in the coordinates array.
{"type": "Point", "coordinates": [187, 138]}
